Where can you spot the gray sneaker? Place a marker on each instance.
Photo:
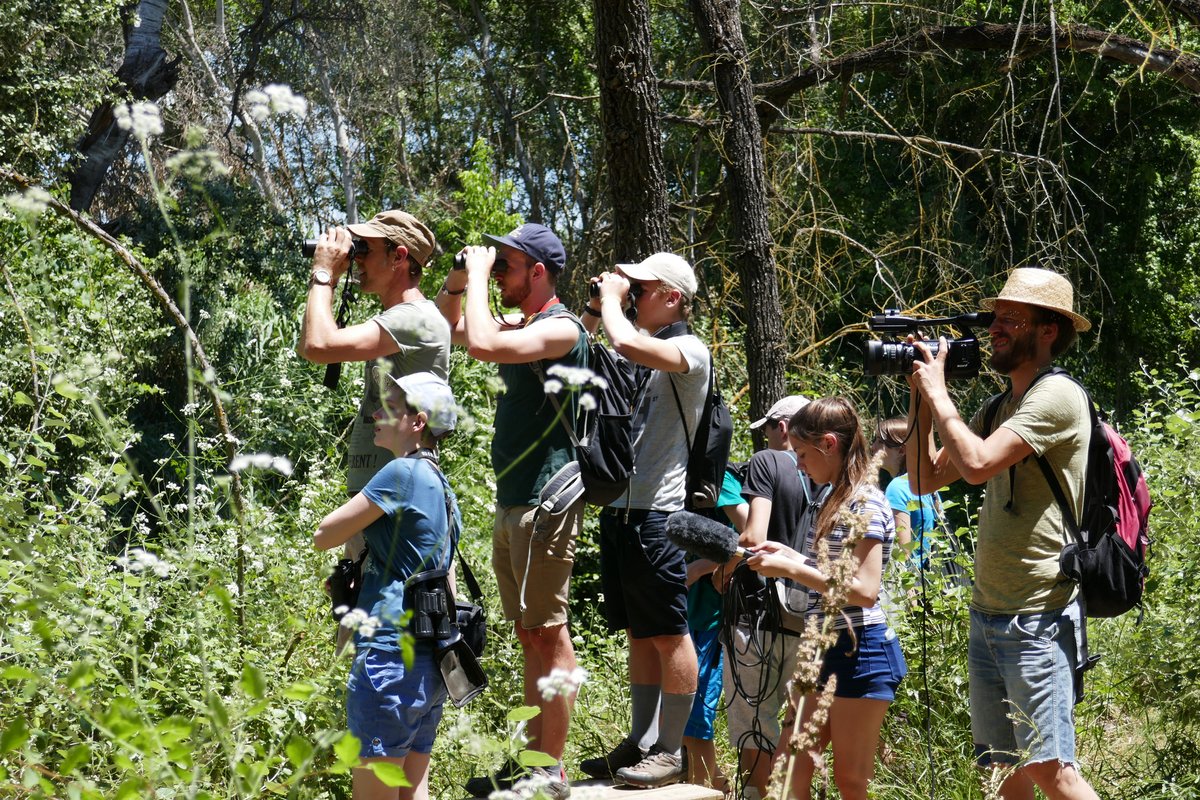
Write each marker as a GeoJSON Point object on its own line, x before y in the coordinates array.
{"type": "Point", "coordinates": [625, 754]}
{"type": "Point", "coordinates": [551, 782]}
{"type": "Point", "coordinates": [658, 768]}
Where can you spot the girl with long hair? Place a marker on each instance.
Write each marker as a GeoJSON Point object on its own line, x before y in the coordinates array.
{"type": "Point", "coordinates": [830, 447]}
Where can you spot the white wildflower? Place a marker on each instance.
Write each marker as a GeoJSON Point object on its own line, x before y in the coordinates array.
{"type": "Point", "coordinates": [197, 166]}
{"type": "Point", "coordinates": [141, 119]}
{"type": "Point", "coordinates": [281, 464]}
{"type": "Point", "coordinates": [189, 409]}
{"type": "Point", "coordinates": [342, 609]}
{"type": "Point", "coordinates": [275, 100]}
{"type": "Point", "coordinates": [353, 618]}
{"type": "Point", "coordinates": [577, 376]}
{"type": "Point", "coordinates": [139, 560]}
{"type": "Point", "coordinates": [587, 401]}
{"type": "Point", "coordinates": [561, 683]}
{"type": "Point", "coordinates": [538, 782]}
{"type": "Point", "coordinates": [552, 386]}
{"type": "Point", "coordinates": [368, 626]}
{"type": "Point", "coordinates": [233, 589]}
{"type": "Point", "coordinates": [31, 203]}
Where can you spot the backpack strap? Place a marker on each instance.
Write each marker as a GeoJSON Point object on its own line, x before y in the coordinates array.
{"type": "Point", "coordinates": [989, 418]}
{"type": "Point", "coordinates": [708, 401]}
{"type": "Point", "coordinates": [539, 369]}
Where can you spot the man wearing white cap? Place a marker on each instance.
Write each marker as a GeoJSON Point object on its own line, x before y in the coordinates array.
{"type": "Point", "coordinates": [643, 574]}
{"type": "Point", "coordinates": [763, 659]}
{"type": "Point", "coordinates": [1023, 648]}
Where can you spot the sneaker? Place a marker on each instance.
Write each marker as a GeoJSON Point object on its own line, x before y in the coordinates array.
{"type": "Point", "coordinates": [551, 782]}
{"type": "Point", "coordinates": [626, 754]}
{"type": "Point", "coordinates": [509, 773]}
{"type": "Point", "coordinates": [658, 768]}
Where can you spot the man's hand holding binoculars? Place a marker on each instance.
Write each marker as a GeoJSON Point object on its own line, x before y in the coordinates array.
{"type": "Point", "coordinates": [331, 256]}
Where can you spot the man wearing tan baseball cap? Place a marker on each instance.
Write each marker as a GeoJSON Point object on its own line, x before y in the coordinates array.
{"type": "Point", "coordinates": [409, 334]}
{"type": "Point", "coordinates": [1024, 645]}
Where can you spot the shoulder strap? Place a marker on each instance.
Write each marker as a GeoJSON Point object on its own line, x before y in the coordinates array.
{"type": "Point", "coordinates": [989, 419]}
{"type": "Point", "coordinates": [539, 368]}
{"type": "Point", "coordinates": [473, 589]}
{"type": "Point", "coordinates": [708, 401]}
{"type": "Point", "coordinates": [1051, 479]}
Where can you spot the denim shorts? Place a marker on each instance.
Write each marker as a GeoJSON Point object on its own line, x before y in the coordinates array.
{"type": "Point", "coordinates": [1022, 686]}
{"type": "Point", "coordinates": [643, 575]}
{"type": "Point", "coordinates": [868, 663]}
{"type": "Point", "coordinates": [708, 685]}
{"type": "Point", "coordinates": [393, 710]}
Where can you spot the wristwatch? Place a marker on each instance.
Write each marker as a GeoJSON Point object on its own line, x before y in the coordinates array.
{"type": "Point", "coordinates": [322, 277]}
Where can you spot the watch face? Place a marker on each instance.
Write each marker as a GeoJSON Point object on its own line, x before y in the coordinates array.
{"type": "Point", "coordinates": [322, 277]}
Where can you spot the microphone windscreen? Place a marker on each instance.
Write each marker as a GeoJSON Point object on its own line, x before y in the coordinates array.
{"type": "Point", "coordinates": [702, 537]}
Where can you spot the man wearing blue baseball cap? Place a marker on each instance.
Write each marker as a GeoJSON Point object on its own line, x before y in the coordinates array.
{"type": "Point", "coordinates": [533, 571]}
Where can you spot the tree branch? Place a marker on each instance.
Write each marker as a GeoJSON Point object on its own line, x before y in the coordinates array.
{"type": "Point", "coordinates": [1182, 68]}
{"type": "Point", "coordinates": [172, 311]}
{"type": "Point", "coordinates": [1188, 9]}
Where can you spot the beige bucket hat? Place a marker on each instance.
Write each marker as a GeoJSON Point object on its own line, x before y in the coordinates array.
{"type": "Point", "coordinates": [1040, 287]}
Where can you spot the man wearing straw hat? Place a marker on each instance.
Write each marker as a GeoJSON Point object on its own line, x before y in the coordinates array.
{"type": "Point", "coordinates": [1024, 648]}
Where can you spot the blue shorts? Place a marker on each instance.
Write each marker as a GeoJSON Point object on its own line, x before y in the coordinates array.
{"type": "Point", "coordinates": [1022, 669]}
{"type": "Point", "coordinates": [394, 711]}
{"type": "Point", "coordinates": [643, 575]}
{"type": "Point", "coordinates": [708, 685]}
{"type": "Point", "coordinates": [868, 663]}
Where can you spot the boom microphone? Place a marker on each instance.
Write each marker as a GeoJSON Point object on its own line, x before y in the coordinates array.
{"type": "Point", "coordinates": [703, 537]}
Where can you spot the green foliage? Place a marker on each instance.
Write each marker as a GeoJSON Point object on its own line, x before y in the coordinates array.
{"type": "Point", "coordinates": [55, 70]}
{"type": "Point", "coordinates": [482, 204]}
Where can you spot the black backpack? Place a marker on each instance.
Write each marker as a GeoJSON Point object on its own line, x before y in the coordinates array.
{"type": "Point", "coordinates": [708, 450]}
{"type": "Point", "coordinates": [602, 435]}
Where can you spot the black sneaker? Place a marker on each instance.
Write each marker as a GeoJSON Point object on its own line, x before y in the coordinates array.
{"type": "Point", "coordinates": [509, 773]}
{"type": "Point", "coordinates": [625, 754]}
{"type": "Point", "coordinates": [658, 768]}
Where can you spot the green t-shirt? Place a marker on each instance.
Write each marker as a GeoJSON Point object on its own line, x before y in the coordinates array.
{"type": "Point", "coordinates": [703, 600]}
{"type": "Point", "coordinates": [526, 420]}
{"type": "Point", "coordinates": [1016, 560]}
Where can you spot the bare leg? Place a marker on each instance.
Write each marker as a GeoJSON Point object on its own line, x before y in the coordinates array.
{"type": "Point", "coordinates": [545, 649]}
{"type": "Point", "coordinates": [703, 768]}
{"type": "Point", "coordinates": [854, 726]}
{"type": "Point", "coordinates": [1059, 781]}
{"type": "Point", "coordinates": [416, 769]}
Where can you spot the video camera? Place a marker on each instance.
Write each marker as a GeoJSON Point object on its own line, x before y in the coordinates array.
{"type": "Point", "coordinates": [896, 358]}
{"type": "Point", "coordinates": [358, 247]}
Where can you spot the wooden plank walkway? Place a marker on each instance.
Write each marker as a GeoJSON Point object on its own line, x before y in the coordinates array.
{"type": "Point", "coordinates": [604, 790]}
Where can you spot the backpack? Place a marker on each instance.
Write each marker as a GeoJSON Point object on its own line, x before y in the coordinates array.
{"type": "Point", "coordinates": [602, 435]}
{"type": "Point", "coordinates": [708, 450]}
{"type": "Point", "coordinates": [1108, 555]}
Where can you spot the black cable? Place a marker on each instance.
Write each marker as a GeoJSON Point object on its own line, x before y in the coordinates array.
{"type": "Point", "coordinates": [916, 487]}
{"type": "Point", "coordinates": [760, 614]}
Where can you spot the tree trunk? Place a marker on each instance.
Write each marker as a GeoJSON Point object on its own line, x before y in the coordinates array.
{"type": "Point", "coordinates": [629, 108]}
{"type": "Point", "coordinates": [720, 27]}
{"type": "Point", "coordinates": [147, 74]}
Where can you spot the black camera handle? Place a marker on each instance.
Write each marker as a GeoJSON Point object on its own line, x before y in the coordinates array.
{"type": "Point", "coordinates": [891, 321]}
{"type": "Point", "coordinates": [333, 372]}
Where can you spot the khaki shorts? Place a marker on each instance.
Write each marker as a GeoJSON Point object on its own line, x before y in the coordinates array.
{"type": "Point", "coordinates": [533, 571]}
